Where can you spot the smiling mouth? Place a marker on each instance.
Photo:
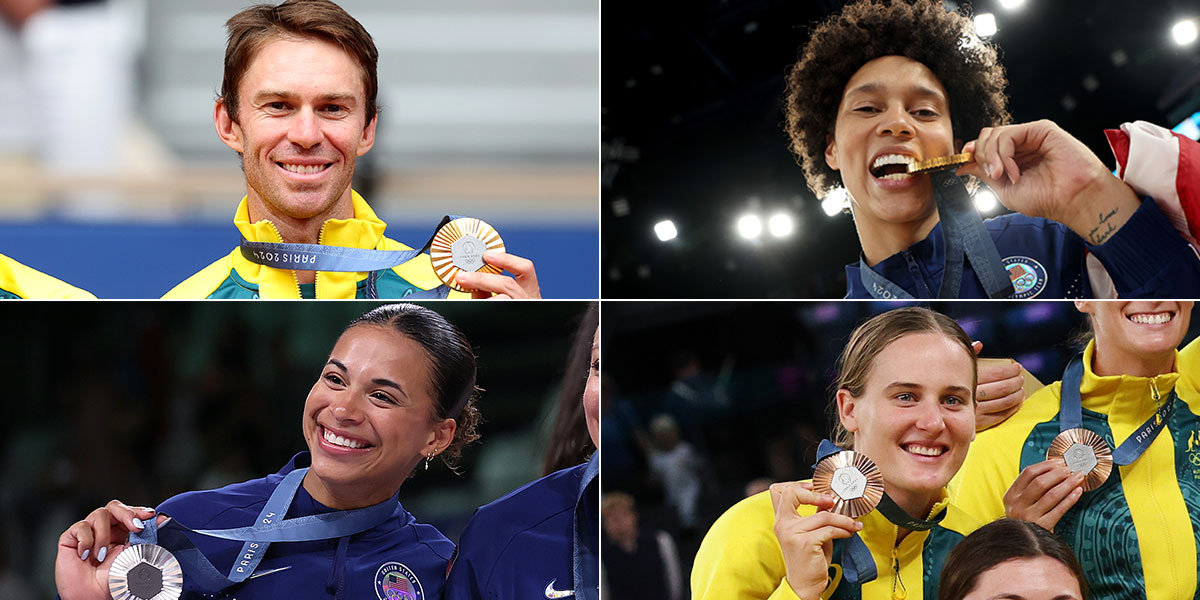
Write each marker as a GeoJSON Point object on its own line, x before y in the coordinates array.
{"type": "Point", "coordinates": [1155, 318]}
{"type": "Point", "coordinates": [303, 169]}
{"type": "Point", "coordinates": [342, 441]}
{"type": "Point", "coordinates": [923, 450]}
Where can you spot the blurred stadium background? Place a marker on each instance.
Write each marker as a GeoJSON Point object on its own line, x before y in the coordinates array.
{"type": "Point", "coordinates": [141, 401]}
{"type": "Point", "coordinates": [700, 197]}
{"type": "Point", "coordinates": [748, 386]}
{"type": "Point", "coordinates": [112, 178]}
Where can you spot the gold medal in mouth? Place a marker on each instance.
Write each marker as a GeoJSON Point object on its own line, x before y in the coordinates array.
{"type": "Point", "coordinates": [1083, 451]}
{"type": "Point", "coordinates": [852, 479]}
{"type": "Point", "coordinates": [939, 163]}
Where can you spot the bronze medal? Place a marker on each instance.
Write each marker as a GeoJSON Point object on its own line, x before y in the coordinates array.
{"type": "Point", "coordinates": [459, 246]}
{"type": "Point", "coordinates": [1083, 451]}
{"type": "Point", "coordinates": [852, 479]}
{"type": "Point", "coordinates": [145, 572]}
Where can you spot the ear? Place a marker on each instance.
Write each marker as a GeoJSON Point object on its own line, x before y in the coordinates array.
{"type": "Point", "coordinates": [441, 436]}
{"type": "Point", "coordinates": [368, 136]}
{"type": "Point", "coordinates": [229, 131]}
{"type": "Point", "coordinates": [831, 153]}
{"type": "Point", "coordinates": [847, 404]}
{"type": "Point", "coordinates": [1084, 307]}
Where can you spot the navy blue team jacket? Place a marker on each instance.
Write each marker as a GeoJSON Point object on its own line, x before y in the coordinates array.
{"type": "Point", "coordinates": [397, 560]}
{"type": "Point", "coordinates": [1146, 258]}
{"type": "Point", "coordinates": [525, 545]}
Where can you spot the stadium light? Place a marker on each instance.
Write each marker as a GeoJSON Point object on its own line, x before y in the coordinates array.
{"type": "Point", "coordinates": [780, 225]}
{"type": "Point", "coordinates": [1011, 4]}
{"type": "Point", "coordinates": [749, 226]}
{"type": "Point", "coordinates": [985, 25]}
{"type": "Point", "coordinates": [1184, 32]}
{"type": "Point", "coordinates": [985, 201]}
{"type": "Point", "coordinates": [665, 230]}
{"type": "Point", "coordinates": [834, 201]}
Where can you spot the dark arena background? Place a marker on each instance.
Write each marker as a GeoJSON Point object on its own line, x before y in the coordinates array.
{"type": "Point", "coordinates": [691, 129]}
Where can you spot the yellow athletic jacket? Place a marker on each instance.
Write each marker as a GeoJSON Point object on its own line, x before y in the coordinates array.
{"type": "Point", "coordinates": [20, 281]}
{"type": "Point", "coordinates": [1135, 535]}
{"type": "Point", "coordinates": [233, 276]}
{"type": "Point", "coordinates": [741, 559]}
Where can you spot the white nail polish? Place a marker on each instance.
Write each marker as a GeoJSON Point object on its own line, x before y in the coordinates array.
{"type": "Point", "coordinates": [137, 523]}
{"type": "Point", "coordinates": [101, 554]}
{"type": "Point", "coordinates": [85, 554]}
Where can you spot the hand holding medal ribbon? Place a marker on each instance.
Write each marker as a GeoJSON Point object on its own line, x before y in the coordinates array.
{"type": "Point", "coordinates": [456, 249]}
{"type": "Point", "coordinates": [160, 557]}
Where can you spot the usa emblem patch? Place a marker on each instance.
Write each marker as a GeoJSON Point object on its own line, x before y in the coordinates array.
{"type": "Point", "coordinates": [1028, 276]}
{"type": "Point", "coordinates": [395, 581]}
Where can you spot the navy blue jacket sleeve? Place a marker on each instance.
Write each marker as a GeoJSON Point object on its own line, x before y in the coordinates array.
{"type": "Point", "coordinates": [1147, 258]}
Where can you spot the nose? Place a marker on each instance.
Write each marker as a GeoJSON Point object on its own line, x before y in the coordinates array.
{"type": "Point", "coordinates": [895, 121]}
{"type": "Point", "coordinates": [345, 408]}
{"type": "Point", "coordinates": [305, 130]}
{"type": "Point", "coordinates": [929, 416]}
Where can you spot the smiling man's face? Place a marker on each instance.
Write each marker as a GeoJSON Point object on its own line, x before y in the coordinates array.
{"type": "Point", "coordinates": [300, 126]}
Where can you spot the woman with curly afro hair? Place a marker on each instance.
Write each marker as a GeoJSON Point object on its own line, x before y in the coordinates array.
{"type": "Point", "coordinates": [887, 83]}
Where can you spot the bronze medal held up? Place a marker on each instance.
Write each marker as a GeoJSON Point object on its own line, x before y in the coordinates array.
{"type": "Point", "coordinates": [852, 479]}
{"type": "Point", "coordinates": [1083, 451]}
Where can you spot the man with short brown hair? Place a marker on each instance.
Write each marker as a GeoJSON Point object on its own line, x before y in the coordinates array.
{"type": "Point", "coordinates": [298, 104]}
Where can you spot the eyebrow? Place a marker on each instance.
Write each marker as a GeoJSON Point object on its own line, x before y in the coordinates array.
{"type": "Point", "coordinates": [333, 97]}
{"type": "Point", "coordinates": [874, 87]}
{"type": "Point", "coordinates": [377, 381]}
{"type": "Point", "coordinates": [957, 389]}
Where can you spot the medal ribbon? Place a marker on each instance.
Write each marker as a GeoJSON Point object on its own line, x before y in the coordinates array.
{"type": "Point", "coordinates": [318, 257]}
{"type": "Point", "coordinates": [585, 560]}
{"type": "Point", "coordinates": [271, 526]}
{"type": "Point", "coordinates": [1071, 415]}
{"type": "Point", "coordinates": [963, 232]}
{"type": "Point", "coordinates": [858, 567]}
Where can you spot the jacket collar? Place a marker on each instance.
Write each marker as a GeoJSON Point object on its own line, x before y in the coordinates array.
{"type": "Point", "coordinates": [1123, 393]}
{"type": "Point", "coordinates": [364, 230]}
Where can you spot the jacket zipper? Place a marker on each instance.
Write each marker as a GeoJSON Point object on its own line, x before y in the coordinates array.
{"type": "Point", "coordinates": [316, 274]}
{"type": "Point", "coordinates": [295, 278]}
{"type": "Point", "coordinates": [899, 592]}
{"type": "Point", "coordinates": [1157, 400]}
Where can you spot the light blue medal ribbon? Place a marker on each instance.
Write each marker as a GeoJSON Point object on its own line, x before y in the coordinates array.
{"type": "Point", "coordinates": [318, 257]}
{"type": "Point", "coordinates": [964, 233]}
{"type": "Point", "coordinates": [270, 527]}
{"type": "Point", "coordinates": [585, 560]}
{"type": "Point", "coordinates": [857, 565]}
{"type": "Point", "coordinates": [1071, 415]}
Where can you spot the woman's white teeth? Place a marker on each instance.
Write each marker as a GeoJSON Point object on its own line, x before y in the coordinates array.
{"type": "Point", "coordinates": [924, 450]}
{"type": "Point", "coordinates": [892, 159]}
{"type": "Point", "coordinates": [338, 440]}
{"type": "Point", "coordinates": [1150, 318]}
{"type": "Point", "coordinates": [304, 169]}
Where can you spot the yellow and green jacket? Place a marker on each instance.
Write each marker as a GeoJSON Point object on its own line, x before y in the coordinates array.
{"type": "Point", "coordinates": [20, 281]}
{"type": "Point", "coordinates": [741, 559]}
{"type": "Point", "coordinates": [1135, 535]}
{"type": "Point", "coordinates": [233, 276]}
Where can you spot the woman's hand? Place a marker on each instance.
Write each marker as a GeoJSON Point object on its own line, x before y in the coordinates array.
{"type": "Point", "coordinates": [1039, 170]}
{"type": "Point", "coordinates": [86, 550]}
{"type": "Point", "coordinates": [1043, 493]}
{"type": "Point", "coordinates": [807, 542]}
{"type": "Point", "coordinates": [1000, 391]}
{"type": "Point", "coordinates": [522, 284]}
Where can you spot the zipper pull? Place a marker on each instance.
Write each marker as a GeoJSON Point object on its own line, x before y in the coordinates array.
{"type": "Point", "coordinates": [899, 592]}
{"type": "Point", "coordinates": [1157, 400]}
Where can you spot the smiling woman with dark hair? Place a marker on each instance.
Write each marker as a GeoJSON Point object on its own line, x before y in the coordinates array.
{"type": "Point", "coordinates": [398, 389]}
{"type": "Point", "coordinates": [887, 84]}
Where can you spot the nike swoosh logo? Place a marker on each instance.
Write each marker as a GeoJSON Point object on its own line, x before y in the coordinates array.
{"type": "Point", "coordinates": [261, 573]}
{"type": "Point", "coordinates": [553, 593]}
